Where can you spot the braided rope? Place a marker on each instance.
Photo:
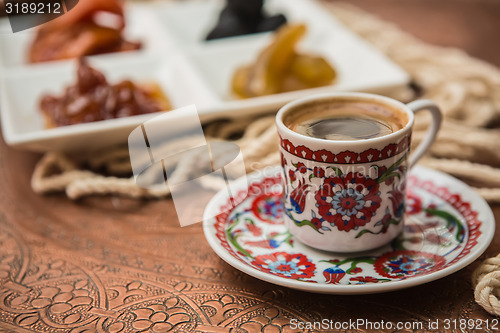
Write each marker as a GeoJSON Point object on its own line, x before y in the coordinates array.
{"type": "Point", "coordinates": [486, 278]}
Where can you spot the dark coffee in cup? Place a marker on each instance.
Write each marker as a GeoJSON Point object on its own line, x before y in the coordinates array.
{"type": "Point", "coordinates": [345, 120]}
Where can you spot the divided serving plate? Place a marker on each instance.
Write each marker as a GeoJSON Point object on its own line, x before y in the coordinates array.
{"type": "Point", "coordinates": [191, 70]}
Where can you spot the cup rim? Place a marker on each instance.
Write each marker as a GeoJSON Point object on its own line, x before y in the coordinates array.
{"type": "Point", "coordinates": [354, 95]}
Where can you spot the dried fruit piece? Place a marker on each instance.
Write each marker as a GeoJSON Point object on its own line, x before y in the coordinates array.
{"type": "Point", "coordinates": [92, 98]}
{"type": "Point", "coordinates": [81, 32]}
{"type": "Point", "coordinates": [314, 71]}
{"type": "Point", "coordinates": [279, 68]}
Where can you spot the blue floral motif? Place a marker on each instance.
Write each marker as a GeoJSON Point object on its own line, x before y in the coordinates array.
{"type": "Point", "coordinates": [348, 201]}
{"type": "Point", "coordinates": [274, 243]}
{"type": "Point", "coordinates": [271, 208]}
{"type": "Point", "coordinates": [406, 263]}
{"type": "Point", "coordinates": [284, 267]}
{"type": "Point", "coordinates": [268, 208]}
{"type": "Point", "coordinates": [288, 265]}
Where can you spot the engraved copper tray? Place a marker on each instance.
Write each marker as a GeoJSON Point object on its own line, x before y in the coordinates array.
{"type": "Point", "coordinates": [113, 264]}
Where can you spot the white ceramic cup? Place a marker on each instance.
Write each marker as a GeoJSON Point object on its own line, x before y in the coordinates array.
{"type": "Point", "coordinates": [348, 196]}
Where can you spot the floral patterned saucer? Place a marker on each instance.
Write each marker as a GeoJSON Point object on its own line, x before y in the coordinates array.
{"type": "Point", "coordinates": [447, 226]}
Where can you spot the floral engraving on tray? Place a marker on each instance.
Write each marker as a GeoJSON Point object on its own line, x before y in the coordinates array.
{"type": "Point", "coordinates": [42, 294]}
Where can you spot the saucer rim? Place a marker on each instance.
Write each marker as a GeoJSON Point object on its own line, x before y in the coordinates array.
{"type": "Point", "coordinates": [478, 203]}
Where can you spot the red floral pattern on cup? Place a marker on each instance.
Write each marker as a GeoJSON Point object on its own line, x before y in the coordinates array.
{"type": "Point", "coordinates": [347, 157]}
{"type": "Point", "coordinates": [298, 197]}
{"type": "Point", "coordinates": [348, 201]}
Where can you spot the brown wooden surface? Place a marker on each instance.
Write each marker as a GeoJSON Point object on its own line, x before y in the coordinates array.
{"type": "Point", "coordinates": [124, 264]}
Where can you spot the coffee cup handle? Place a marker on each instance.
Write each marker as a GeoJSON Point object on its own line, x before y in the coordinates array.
{"type": "Point", "coordinates": [437, 117]}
